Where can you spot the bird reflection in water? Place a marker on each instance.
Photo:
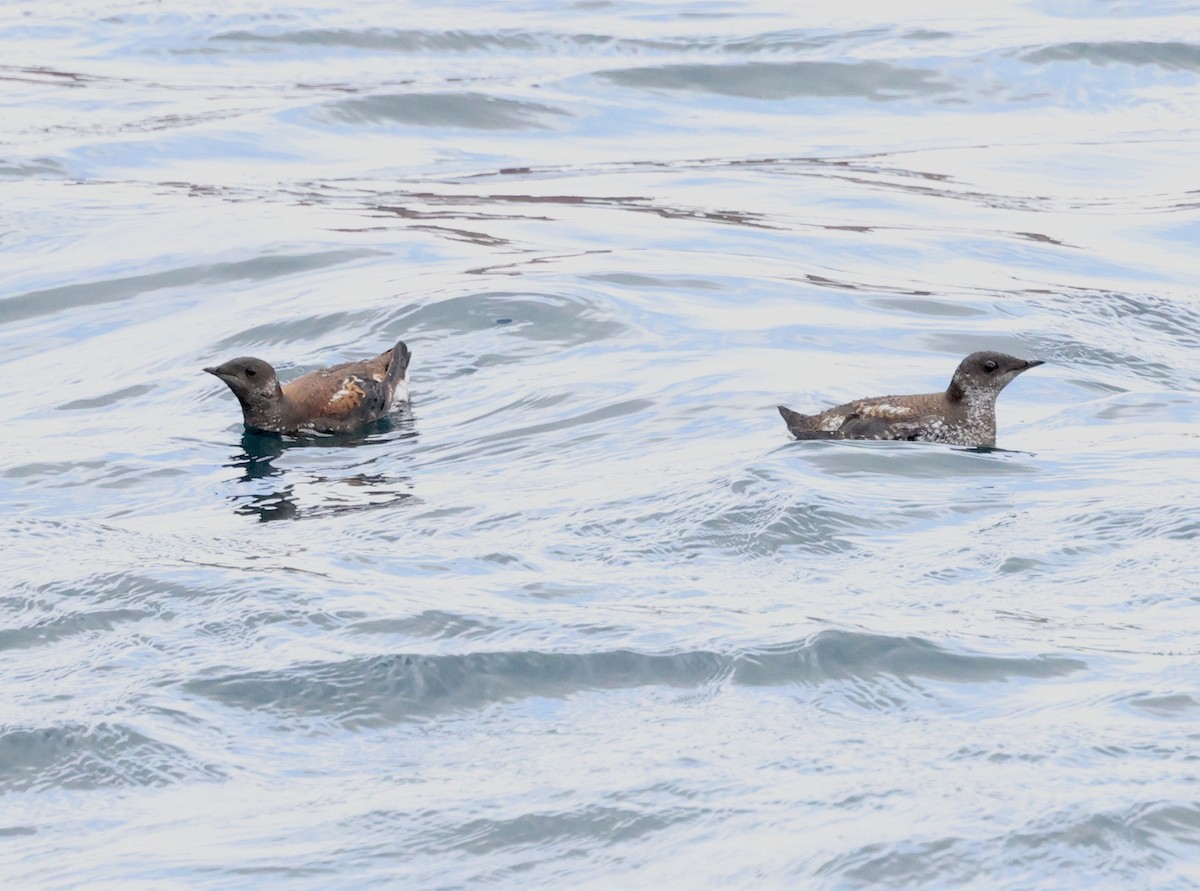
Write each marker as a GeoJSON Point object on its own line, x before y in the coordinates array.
{"type": "Point", "coordinates": [286, 493]}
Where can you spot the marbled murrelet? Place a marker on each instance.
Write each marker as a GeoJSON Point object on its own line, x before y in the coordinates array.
{"type": "Point", "coordinates": [965, 414]}
{"type": "Point", "coordinates": [340, 399]}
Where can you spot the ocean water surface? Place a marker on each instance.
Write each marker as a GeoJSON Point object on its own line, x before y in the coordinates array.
{"type": "Point", "coordinates": [583, 615]}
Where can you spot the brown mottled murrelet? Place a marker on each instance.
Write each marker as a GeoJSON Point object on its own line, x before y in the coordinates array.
{"type": "Point", "coordinates": [340, 399]}
{"type": "Point", "coordinates": [965, 414]}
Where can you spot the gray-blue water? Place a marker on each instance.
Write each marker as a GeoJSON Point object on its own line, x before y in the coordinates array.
{"type": "Point", "coordinates": [585, 617]}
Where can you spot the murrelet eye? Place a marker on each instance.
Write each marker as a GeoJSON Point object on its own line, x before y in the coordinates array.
{"type": "Point", "coordinates": [990, 365]}
{"type": "Point", "coordinates": [250, 372]}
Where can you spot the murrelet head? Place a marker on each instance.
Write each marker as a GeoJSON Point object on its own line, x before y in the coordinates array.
{"type": "Point", "coordinates": [987, 371]}
{"type": "Point", "coordinates": [253, 382]}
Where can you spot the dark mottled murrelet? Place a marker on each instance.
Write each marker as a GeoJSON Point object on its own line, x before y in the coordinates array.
{"type": "Point", "coordinates": [340, 399]}
{"type": "Point", "coordinates": [965, 414]}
